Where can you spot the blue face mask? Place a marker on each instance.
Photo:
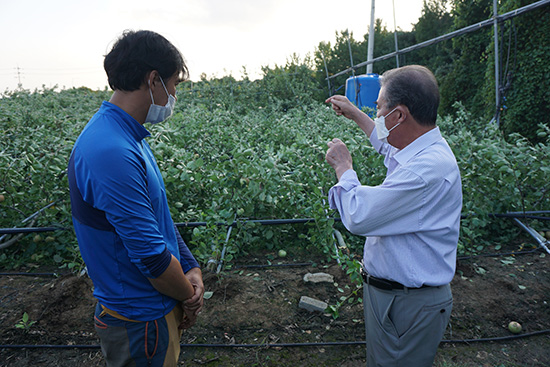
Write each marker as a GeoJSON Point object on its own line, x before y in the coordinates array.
{"type": "Point", "coordinates": [382, 131]}
{"type": "Point", "coordinates": [158, 113]}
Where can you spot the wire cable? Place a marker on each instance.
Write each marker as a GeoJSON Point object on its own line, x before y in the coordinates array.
{"type": "Point", "coordinates": [279, 345]}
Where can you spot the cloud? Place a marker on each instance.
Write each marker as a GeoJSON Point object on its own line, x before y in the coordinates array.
{"type": "Point", "coordinates": [240, 15]}
{"type": "Point", "coordinates": [63, 41]}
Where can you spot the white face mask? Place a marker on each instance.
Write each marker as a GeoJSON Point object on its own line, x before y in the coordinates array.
{"type": "Point", "coordinates": [158, 113]}
{"type": "Point", "coordinates": [381, 129]}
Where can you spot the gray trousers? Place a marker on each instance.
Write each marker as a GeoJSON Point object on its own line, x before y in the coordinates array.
{"type": "Point", "coordinates": [404, 327]}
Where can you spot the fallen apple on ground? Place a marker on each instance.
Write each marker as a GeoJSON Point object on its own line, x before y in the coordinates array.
{"type": "Point", "coordinates": [514, 327]}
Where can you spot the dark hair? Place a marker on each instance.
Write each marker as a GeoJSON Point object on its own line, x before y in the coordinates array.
{"type": "Point", "coordinates": [137, 53]}
{"type": "Point", "coordinates": [413, 86]}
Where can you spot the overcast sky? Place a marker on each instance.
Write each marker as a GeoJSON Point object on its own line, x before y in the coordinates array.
{"type": "Point", "coordinates": [63, 42]}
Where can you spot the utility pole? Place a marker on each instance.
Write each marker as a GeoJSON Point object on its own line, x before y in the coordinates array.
{"type": "Point", "coordinates": [371, 38]}
{"type": "Point", "coordinates": [19, 85]}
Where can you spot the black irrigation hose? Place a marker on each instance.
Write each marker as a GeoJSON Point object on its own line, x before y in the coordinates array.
{"type": "Point", "coordinates": [49, 346]}
{"type": "Point", "coordinates": [30, 230]}
{"type": "Point", "coordinates": [498, 339]}
{"type": "Point", "coordinates": [265, 222]}
{"type": "Point", "coordinates": [277, 345]}
{"type": "Point", "coordinates": [36, 274]}
{"type": "Point", "coordinates": [526, 215]}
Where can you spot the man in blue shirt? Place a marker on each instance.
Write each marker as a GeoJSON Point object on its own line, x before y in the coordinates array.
{"type": "Point", "coordinates": [148, 284]}
{"type": "Point", "coordinates": [411, 220]}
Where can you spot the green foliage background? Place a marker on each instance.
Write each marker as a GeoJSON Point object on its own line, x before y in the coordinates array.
{"type": "Point", "coordinates": [254, 149]}
{"type": "Point", "coordinates": [235, 156]}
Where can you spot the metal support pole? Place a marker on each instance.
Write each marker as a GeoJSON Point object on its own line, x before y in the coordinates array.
{"type": "Point", "coordinates": [326, 70]}
{"type": "Point", "coordinates": [350, 54]}
{"type": "Point", "coordinates": [370, 50]}
{"type": "Point", "coordinates": [541, 240]}
{"type": "Point", "coordinates": [220, 264]}
{"type": "Point", "coordinates": [31, 217]}
{"type": "Point", "coordinates": [395, 37]}
{"type": "Point", "coordinates": [497, 70]}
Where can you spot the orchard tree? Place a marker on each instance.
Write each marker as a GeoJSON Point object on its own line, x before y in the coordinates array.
{"type": "Point", "coordinates": [435, 21]}
{"type": "Point", "coordinates": [466, 77]}
{"type": "Point", "coordinates": [525, 86]}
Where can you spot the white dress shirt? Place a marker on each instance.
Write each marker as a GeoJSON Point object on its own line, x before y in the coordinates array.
{"type": "Point", "coordinates": [412, 219]}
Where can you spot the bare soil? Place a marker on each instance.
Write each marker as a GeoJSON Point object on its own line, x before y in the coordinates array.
{"type": "Point", "coordinates": [253, 306]}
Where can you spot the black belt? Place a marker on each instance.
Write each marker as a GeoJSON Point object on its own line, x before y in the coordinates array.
{"type": "Point", "coordinates": [384, 284]}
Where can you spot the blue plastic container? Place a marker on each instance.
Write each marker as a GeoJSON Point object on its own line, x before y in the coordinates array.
{"type": "Point", "coordinates": [363, 90]}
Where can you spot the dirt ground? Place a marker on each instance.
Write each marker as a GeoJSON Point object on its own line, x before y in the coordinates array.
{"type": "Point", "coordinates": [254, 306]}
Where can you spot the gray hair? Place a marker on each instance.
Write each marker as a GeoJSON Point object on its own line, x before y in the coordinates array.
{"type": "Point", "coordinates": [413, 86]}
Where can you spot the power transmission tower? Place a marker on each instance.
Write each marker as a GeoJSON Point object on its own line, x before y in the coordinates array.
{"type": "Point", "coordinates": [19, 84]}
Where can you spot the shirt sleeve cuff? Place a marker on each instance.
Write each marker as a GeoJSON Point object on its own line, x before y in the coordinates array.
{"type": "Point", "coordinates": [349, 176]}
{"type": "Point", "coordinates": [347, 182]}
{"type": "Point", "coordinates": [157, 264]}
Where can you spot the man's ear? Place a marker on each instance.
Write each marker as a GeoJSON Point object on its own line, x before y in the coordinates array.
{"type": "Point", "coordinates": [403, 113]}
{"type": "Point", "coordinates": [151, 79]}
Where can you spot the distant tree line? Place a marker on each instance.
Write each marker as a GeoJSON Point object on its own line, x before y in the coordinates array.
{"type": "Point", "coordinates": [464, 66]}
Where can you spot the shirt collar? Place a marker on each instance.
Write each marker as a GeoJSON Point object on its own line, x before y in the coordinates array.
{"type": "Point", "coordinates": [137, 130]}
{"type": "Point", "coordinates": [421, 143]}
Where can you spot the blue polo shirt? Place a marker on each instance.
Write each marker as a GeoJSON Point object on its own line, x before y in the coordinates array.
{"type": "Point", "coordinates": [121, 217]}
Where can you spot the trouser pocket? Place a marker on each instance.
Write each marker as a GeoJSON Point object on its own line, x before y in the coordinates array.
{"type": "Point", "coordinates": [127, 343]}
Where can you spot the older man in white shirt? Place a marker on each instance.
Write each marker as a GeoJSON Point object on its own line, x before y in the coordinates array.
{"type": "Point", "coordinates": [411, 220]}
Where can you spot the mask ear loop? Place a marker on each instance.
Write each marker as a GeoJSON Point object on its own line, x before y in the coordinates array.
{"type": "Point", "coordinates": [150, 93]}
{"type": "Point", "coordinates": [164, 86]}
{"type": "Point", "coordinates": [389, 131]}
{"type": "Point", "coordinates": [166, 90]}
{"type": "Point", "coordinates": [390, 112]}
{"type": "Point", "coordinates": [396, 125]}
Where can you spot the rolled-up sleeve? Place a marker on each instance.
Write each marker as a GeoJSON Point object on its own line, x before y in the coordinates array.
{"type": "Point", "coordinates": [394, 207]}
